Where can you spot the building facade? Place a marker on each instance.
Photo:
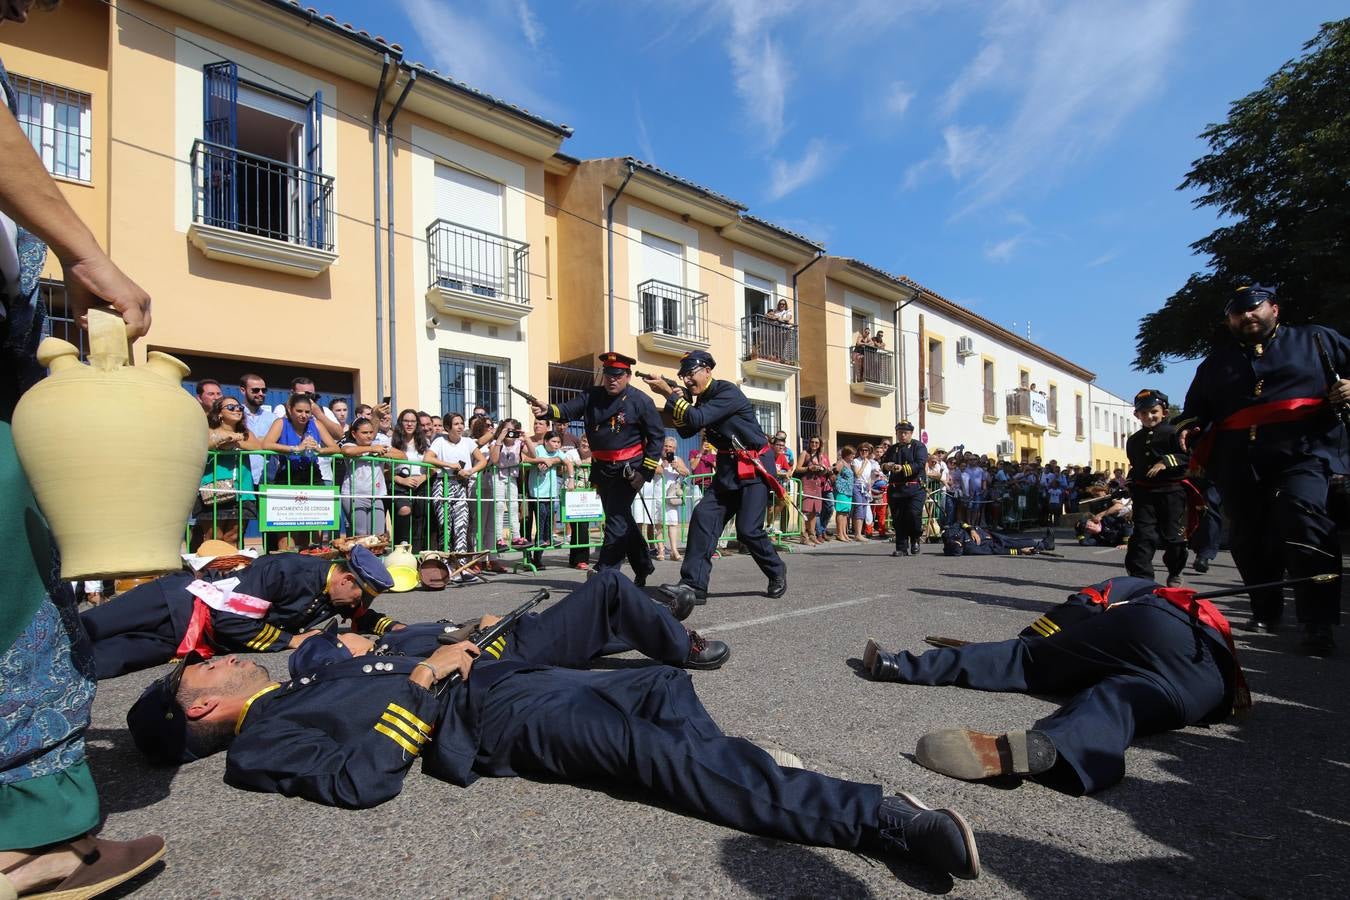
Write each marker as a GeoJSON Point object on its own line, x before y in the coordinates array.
{"type": "Point", "coordinates": [1112, 424]}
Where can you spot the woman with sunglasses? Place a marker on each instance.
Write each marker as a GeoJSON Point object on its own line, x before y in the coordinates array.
{"type": "Point", "coordinates": [300, 438]}
{"type": "Point", "coordinates": [226, 499]}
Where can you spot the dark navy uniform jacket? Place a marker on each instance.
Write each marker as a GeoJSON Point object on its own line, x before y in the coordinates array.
{"type": "Point", "coordinates": [1148, 446]}
{"type": "Point", "coordinates": [912, 458]}
{"type": "Point", "coordinates": [627, 420]}
{"type": "Point", "coordinates": [723, 412]}
{"type": "Point", "coordinates": [1286, 366]}
{"type": "Point", "coordinates": [958, 540]}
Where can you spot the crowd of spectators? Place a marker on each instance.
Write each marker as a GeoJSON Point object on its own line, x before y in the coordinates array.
{"type": "Point", "coordinates": [481, 489]}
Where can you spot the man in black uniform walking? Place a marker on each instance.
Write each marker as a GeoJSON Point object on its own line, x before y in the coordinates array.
{"type": "Point", "coordinates": [1261, 421]}
{"type": "Point", "coordinates": [170, 616]}
{"type": "Point", "coordinates": [1157, 491]}
{"type": "Point", "coordinates": [347, 733]}
{"type": "Point", "coordinates": [625, 433]}
{"type": "Point", "coordinates": [906, 464]}
{"type": "Point", "coordinates": [738, 487]}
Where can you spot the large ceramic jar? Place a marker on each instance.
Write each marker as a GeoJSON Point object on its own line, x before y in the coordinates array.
{"type": "Point", "coordinates": [114, 454]}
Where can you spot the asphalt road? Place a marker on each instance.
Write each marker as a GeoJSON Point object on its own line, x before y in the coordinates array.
{"type": "Point", "coordinates": [1254, 807]}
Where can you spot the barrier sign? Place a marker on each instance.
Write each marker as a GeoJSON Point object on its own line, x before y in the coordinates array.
{"type": "Point", "coordinates": [300, 508]}
{"type": "Point", "coordinates": [582, 506]}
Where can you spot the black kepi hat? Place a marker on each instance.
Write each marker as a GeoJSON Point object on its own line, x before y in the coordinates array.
{"type": "Point", "coordinates": [1149, 398]}
{"type": "Point", "coordinates": [696, 359]}
{"type": "Point", "coordinates": [1249, 296]}
{"type": "Point", "coordinates": [157, 723]}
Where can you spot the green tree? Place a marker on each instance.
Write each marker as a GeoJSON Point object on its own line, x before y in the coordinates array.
{"type": "Point", "coordinates": [1278, 171]}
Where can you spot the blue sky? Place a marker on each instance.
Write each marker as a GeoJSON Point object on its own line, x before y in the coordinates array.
{"type": "Point", "coordinates": [1018, 157]}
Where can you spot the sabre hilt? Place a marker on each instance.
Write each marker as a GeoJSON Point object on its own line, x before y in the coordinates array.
{"type": "Point", "coordinates": [1341, 411]}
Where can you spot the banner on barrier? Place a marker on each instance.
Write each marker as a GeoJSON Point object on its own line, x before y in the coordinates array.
{"type": "Point", "coordinates": [582, 506]}
{"type": "Point", "coordinates": [307, 508]}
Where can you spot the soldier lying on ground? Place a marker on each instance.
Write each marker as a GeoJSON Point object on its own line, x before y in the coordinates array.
{"type": "Point", "coordinates": [972, 540]}
{"type": "Point", "coordinates": [1137, 657]}
{"type": "Point", "coordinates": [346, 733]}
{"type": "Point", "coordinates": [163, 619]}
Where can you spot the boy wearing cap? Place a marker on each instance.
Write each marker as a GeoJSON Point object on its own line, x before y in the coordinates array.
{"type": "Point", "coordinates": [1157, 489]}
{"type": "Point", "coordinates": [348, 732]}
{"type": "Point", "coordinates": [272, 605]}
{"type": "Point", "coordinates": [1261, 420]}
{"type": "Point", "coordinates": [739, 488]}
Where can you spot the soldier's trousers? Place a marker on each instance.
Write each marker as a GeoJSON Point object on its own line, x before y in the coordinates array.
{"type": "Point", "coordinates": [907, 516]}
{"type": "Point", "coordinates": [623, 536]}
{"type": "Point", "coordinates": [137, 630]}
{"type": "Point", "coordinates": [1159, 521]}
{"type": "Point", "coordinates": [645, 728]}
{"type": "Point", "coordinates": [1133, 670]}
{"type": "Point", "coordinates": [711, 515]}
{"type": "Point", "coordinates": [1279, 524]}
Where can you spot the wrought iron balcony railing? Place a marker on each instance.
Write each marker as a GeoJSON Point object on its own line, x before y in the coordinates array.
{"type": "Point", "coordinates": [869, 365]}
{"type": "Point", "coordinates": [265, 197]}
{"type": "Point", "coordinates": [673, 310]}
{"type": "Point", "coordinates": [478, 262]}
{"type": "Point", "coordinates": [768, 339]}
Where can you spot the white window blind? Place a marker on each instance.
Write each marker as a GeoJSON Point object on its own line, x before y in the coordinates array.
{"type": "Point", "coordinates": [466, 199]}
{"type": "Point", "coordinates": [663, 259]}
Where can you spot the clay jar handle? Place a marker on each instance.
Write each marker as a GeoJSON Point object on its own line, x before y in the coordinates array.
{"type": "Point", "coordinates": [108, 346]}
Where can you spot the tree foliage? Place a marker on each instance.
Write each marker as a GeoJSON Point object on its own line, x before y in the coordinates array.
{"type": "Point", "coordinates": [1279, 171]}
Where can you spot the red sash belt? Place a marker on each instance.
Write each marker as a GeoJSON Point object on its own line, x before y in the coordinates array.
{"type": "Point", "coordinates": [623, 455]}
{"type": "Point", "coordinates": [199, 632]}
{"type": "Point", "coordinates": [1207, 613]}
{"type": "Point", "coordinates": [1272, 412]}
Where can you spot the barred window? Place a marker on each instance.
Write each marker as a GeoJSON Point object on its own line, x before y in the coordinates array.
{"type": "Point", "coordinates": [57, 121]}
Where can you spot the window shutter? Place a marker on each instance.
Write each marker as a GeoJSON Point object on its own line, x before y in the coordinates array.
{"type": "Point", "coordinates": [466, 199]}
{"type": "Point", "coordinates": [314, 199]}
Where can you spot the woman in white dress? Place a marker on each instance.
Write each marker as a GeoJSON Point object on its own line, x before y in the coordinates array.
{"type": "Point", "coordinates": [671, 482]}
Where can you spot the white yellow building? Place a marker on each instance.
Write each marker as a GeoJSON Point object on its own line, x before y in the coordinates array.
{"type": "Point", "coordinates": [1112, 423]}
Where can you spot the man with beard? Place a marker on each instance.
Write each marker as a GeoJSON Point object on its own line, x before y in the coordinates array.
{"type": "Point", "coordinates": [1261, 420]}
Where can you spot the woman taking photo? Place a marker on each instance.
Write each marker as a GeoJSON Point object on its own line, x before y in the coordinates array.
{"type": "Point", "coordinates": [814, 470]}
{"type": "Point", "coordinates": [301, 439]}
{"type": "Point", "coordinates": [226, 501]}
{"type": "Point", "coordinates": [411, 491]}
{"type": "Point", "coordinates": [671, 480]}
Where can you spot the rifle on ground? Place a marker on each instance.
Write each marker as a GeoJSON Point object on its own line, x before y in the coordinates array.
{"type": "Point", "coordinates": [528, 398]}
{"type": "Point", "coordinates": [1329, 369]}
{"type": "Point", "coordinates": [493, 638]}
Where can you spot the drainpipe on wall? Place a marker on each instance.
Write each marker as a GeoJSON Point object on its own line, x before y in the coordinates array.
{"type": "Point", "coordinates": [923, 407]}
{"type": "Point", "coordinates": [389, 207]}
{"type": "Point", "coordinates": [900, 396]}
{"type": "Point", "coordinates": [797, 377]}
{"type": "Point", "coordinates": [609, 232]}
{"type": "Point", "coordinates": [375, 181]}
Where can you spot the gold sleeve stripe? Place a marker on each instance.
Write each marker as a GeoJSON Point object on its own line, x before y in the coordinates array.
{"type": "Point", "coordinates": [410, 718]}
{"type": "Point", "coordinates": [553, 412]}
{"type": "Point", "coordinates": [497, 647]}
{"type": "Point", "coordinates": [382, 625]}
{"type": "Point", "coordinates": [397, 738]}
{"type": "Point", "coordinates": [649, 463]}
{"type": "Point", "coordinates": [411, 733]}
{"type": "Point", "coordinates": [265, 637]}
{"type": "Point", "coordinates": [1044, 627]}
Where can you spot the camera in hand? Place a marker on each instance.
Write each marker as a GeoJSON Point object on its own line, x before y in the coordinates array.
{"type": "Point", "coordinates": [670, 457]}
{"type": "Point", "coordinates": [404, 471]}
{"type": "Point", "coordinates": [513, 433]}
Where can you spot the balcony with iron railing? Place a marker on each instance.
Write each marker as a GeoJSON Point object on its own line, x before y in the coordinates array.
{"type": "Point", "coordinates": [674, 318]}
{"type": "Point", "coordinates": [768, 348]}
{"type": "Point", "coordinates": [255, 211]}
{"type": "Point", "coordinates": [937, 392]}
{"type": "Point", "coordinates": [871, 372]}
{"type": "Point", "coordinates": [477, 274]}
{"type": "Point", "coordinates": [1026, 408]}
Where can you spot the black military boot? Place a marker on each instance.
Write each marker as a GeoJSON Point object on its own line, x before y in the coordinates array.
{"type": "Point", "coordinates": [1201, 565]}
{"type": "Point", "coordinates": [706, 654]}
{"type": "Point", "coordinates": [1318, 640]}
{"type": "Point", "coordinates": [680, 599]}
{"type": "Point", "coordinates": [777, 587]}
{"type": "Point", "coordinates": [935, 837]}
{"type": "Point", "coordinates": [1048, 542]}
{"type": "Point", "coordinates": [913, 548]}
{"type": "Point", "coordinates": [880, 664]}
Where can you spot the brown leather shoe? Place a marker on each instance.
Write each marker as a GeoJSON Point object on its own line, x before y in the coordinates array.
{"type": "Point", "coordinates": [975, 755]}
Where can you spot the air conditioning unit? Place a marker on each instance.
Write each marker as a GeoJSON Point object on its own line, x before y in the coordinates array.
{"type": "Point", "coordinates": [1005, 448]}
{"type": "Point", "coordinates": [965, 347]}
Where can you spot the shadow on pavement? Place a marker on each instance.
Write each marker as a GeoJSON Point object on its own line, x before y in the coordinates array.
{"type": "Point", "coordinates": [768, 868]}
{"type": "Point", "coordinates": [1034, 606]}
{"type": "Point", "coordinates": [125, 780]}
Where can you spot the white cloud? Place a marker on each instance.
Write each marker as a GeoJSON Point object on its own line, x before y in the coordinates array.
{"type": "Point", "coordinates": [758, 66]}
{"type": "Point", "coordinates": [1003, 251]}
{"type": "Point", "coordinates": [1105, 258]}
{"type": "Point", "coordinates": [1076, 72]}
{"type": "Point", "coordinates": [786, 177]}
{"type": "Point", "coordinates": [644, 140]}
{"type": "Point", "coordinates": [963, 149]}
{"type": "Point", "coordinates": [489, 47]}
{"type": "Point", "coordinates": [529, 25]}
{"type": "Point", "coordinates": [897, 99]}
